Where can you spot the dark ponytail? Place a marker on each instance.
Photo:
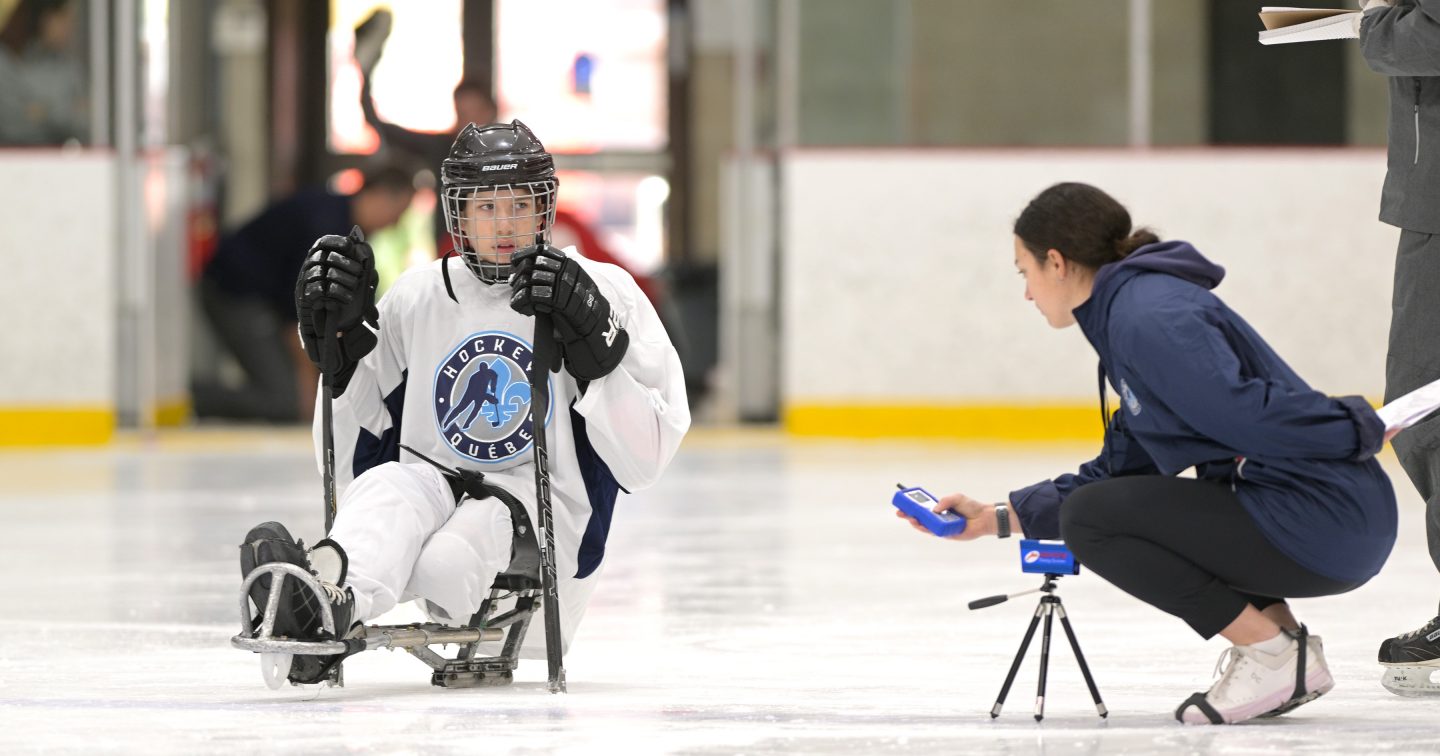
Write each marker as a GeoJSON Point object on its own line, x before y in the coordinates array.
{"type": "Point", "coordinates": [1084, 224]}
{"type": "Point", "coordinates": [1137, 239]}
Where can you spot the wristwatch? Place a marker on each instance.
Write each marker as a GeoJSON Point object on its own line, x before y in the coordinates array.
{"type": "Point", "coordinates": [1002, 520]}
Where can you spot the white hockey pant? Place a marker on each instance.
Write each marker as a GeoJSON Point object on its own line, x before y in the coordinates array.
{"type": "Point", "coordinates": [406, 539]}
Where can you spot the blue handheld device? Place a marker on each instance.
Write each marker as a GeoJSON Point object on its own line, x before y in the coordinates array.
{"type": "Point", "coordinates": [918, 503]}
{"type": "Point", "coordinates": [1047, 557]}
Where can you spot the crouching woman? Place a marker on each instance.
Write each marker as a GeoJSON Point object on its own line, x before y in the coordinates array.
{"type": "Point", "coordinates": [1288, 501]}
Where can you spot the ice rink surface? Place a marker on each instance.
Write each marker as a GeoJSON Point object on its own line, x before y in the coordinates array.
{"type": "Point", "coordinates": [761, 600]}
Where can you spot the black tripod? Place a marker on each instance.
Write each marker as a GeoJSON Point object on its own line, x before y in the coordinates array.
{"type": "Point", "coordinates": [1049, 607]}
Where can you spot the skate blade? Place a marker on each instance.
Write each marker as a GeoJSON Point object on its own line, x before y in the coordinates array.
{"type": "Point", "coordinates": [275, 668]}
{"type": "Point", "coordinates": [1411, 682]}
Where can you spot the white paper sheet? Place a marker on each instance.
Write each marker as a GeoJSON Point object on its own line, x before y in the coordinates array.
{"type": "Point", "coordinates": [1412, 407]}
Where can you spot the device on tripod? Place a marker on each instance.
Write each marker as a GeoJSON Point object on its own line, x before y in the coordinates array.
{"type": "Point", "coordinates": [1053, 560]}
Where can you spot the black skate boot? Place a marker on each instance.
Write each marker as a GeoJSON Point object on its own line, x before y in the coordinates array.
{"type": "Point", "coordinates": [299, 615]}
{"type": "Point", "coordinates": [1410, 659]}
{"type": "Point", "coordinates": [271, 542]}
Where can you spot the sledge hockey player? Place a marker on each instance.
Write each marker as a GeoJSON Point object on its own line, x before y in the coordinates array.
{"type": "Point", "coordinates": [440, 367]}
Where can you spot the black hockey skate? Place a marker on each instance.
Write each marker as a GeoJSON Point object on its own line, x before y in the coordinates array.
{"type": "Point", "coordinates": [311, 615]}
{"type": "Point", "coordinates": [271, 542]}
{"type": "Point", "coordinates": [1410, 659]}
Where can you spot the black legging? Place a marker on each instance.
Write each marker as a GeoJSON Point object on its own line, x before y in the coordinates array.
{"type": "Point", "coordinates": [1184, 546]}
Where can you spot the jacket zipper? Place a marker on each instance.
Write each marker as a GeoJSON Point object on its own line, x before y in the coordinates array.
{"type": "Point", "coordinates": [1105, 418]}
{"type": "Point", "coordinates": [1417, 121]}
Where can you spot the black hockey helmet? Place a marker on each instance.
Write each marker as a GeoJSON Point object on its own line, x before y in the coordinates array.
{"type": "Point", "coordinates": [499, 195]}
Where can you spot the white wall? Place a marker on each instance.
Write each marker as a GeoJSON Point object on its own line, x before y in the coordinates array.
{"type": "Point", "coordinates": [67, 369]}
{"type": "Point", "coordinates": [57, 291]}
{"type": "Point", "coordinates": [898, 282]}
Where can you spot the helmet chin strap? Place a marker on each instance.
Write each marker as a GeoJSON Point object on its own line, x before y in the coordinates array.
{"type": "Point", "coordinates": [445, 271]}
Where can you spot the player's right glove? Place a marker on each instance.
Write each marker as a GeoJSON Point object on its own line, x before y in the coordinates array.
{"type": "Point", "coordinates": [335, 296]}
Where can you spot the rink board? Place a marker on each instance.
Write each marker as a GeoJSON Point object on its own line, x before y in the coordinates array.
{"type": "Point", "coordinates": [899, 294]}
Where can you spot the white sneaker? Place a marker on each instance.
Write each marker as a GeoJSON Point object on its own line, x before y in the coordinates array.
{"type": "Point", "coordinates": [1257, 684]}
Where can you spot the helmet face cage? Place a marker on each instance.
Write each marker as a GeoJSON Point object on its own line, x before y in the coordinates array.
{"type": "Point", "coordinates": [489, 224]}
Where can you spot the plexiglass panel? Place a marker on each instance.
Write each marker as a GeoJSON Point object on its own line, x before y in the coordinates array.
{"type": "Point", "coordinates": [585, 75]}
{"type": "Point", "coordinates": [414, 80]}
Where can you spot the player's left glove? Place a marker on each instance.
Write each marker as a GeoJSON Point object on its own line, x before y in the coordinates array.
{"type": "Point", "coordinates": [591, 337]}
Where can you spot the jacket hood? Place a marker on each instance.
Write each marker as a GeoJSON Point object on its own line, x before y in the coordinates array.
{"type": "Point", "coordinates": [1175, 258]}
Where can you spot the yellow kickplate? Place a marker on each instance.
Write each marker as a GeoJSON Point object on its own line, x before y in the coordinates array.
{"type": "Point", "coordinates": [56, 426]}
{"type": "Point", "coordinates": [967, 422]}
{"type": "Point", "coordinates": [172, 413]}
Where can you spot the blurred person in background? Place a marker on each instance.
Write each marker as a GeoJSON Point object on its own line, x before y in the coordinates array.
{"type": "Point", "coordinates": [42, 83]}
{"type": "Point", "coordinates": [473, 104]}
{"type": "Point", "coordinates": [248, 293]}
{"type": "Point", "coordinates": [1402, 41]}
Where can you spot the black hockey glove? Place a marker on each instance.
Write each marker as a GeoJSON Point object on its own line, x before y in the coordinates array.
{"type": "Point", "coordinates": [335, 297]}
{"type": "Point", "coordinates": [591, 339]}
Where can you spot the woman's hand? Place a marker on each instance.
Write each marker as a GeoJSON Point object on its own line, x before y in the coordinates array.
{"type": "Point", "coordinates": [980, 517]}
{"type": "Point", "coordinates": [1390, 434]}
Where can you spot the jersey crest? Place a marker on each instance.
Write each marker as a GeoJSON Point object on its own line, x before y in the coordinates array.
{"type": "Point", "coordinates": [482, 398]}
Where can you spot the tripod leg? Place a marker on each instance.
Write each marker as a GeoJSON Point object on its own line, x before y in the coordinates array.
{"type": "Point", "coordinates": [1049, 609]}
{"type": "Point", "coordinates": [1080, 657]}
{"type": "Point", "coordinates": [1015, 666]}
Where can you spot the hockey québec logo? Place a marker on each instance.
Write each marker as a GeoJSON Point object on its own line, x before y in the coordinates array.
{"type": "Point", "coordinates": [482, 398]}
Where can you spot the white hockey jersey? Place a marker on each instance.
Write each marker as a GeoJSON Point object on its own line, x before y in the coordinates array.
{"type": "Point", "coordinates": [448, 379]}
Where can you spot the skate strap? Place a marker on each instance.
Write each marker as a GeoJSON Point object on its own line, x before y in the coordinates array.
{"type": "Point", "coordinates": [1303, 637]}
{"type": "Point", "coordinates": [1198, 701]}
{"type": "Point", "coordinates": [317, 669]}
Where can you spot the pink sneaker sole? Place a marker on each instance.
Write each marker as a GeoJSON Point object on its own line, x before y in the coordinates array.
{"type": "Point", "coordinates": [1317, 683]}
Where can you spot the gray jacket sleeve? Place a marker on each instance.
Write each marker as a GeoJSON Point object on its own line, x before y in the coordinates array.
{"type": "Point", "coordinates": [1403, 40]}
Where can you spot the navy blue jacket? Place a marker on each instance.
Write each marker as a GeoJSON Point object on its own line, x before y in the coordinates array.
{"type": "Point", "coordinates": [1200, 388]}
{"type": "Point", "coordinates": [261, 259]}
